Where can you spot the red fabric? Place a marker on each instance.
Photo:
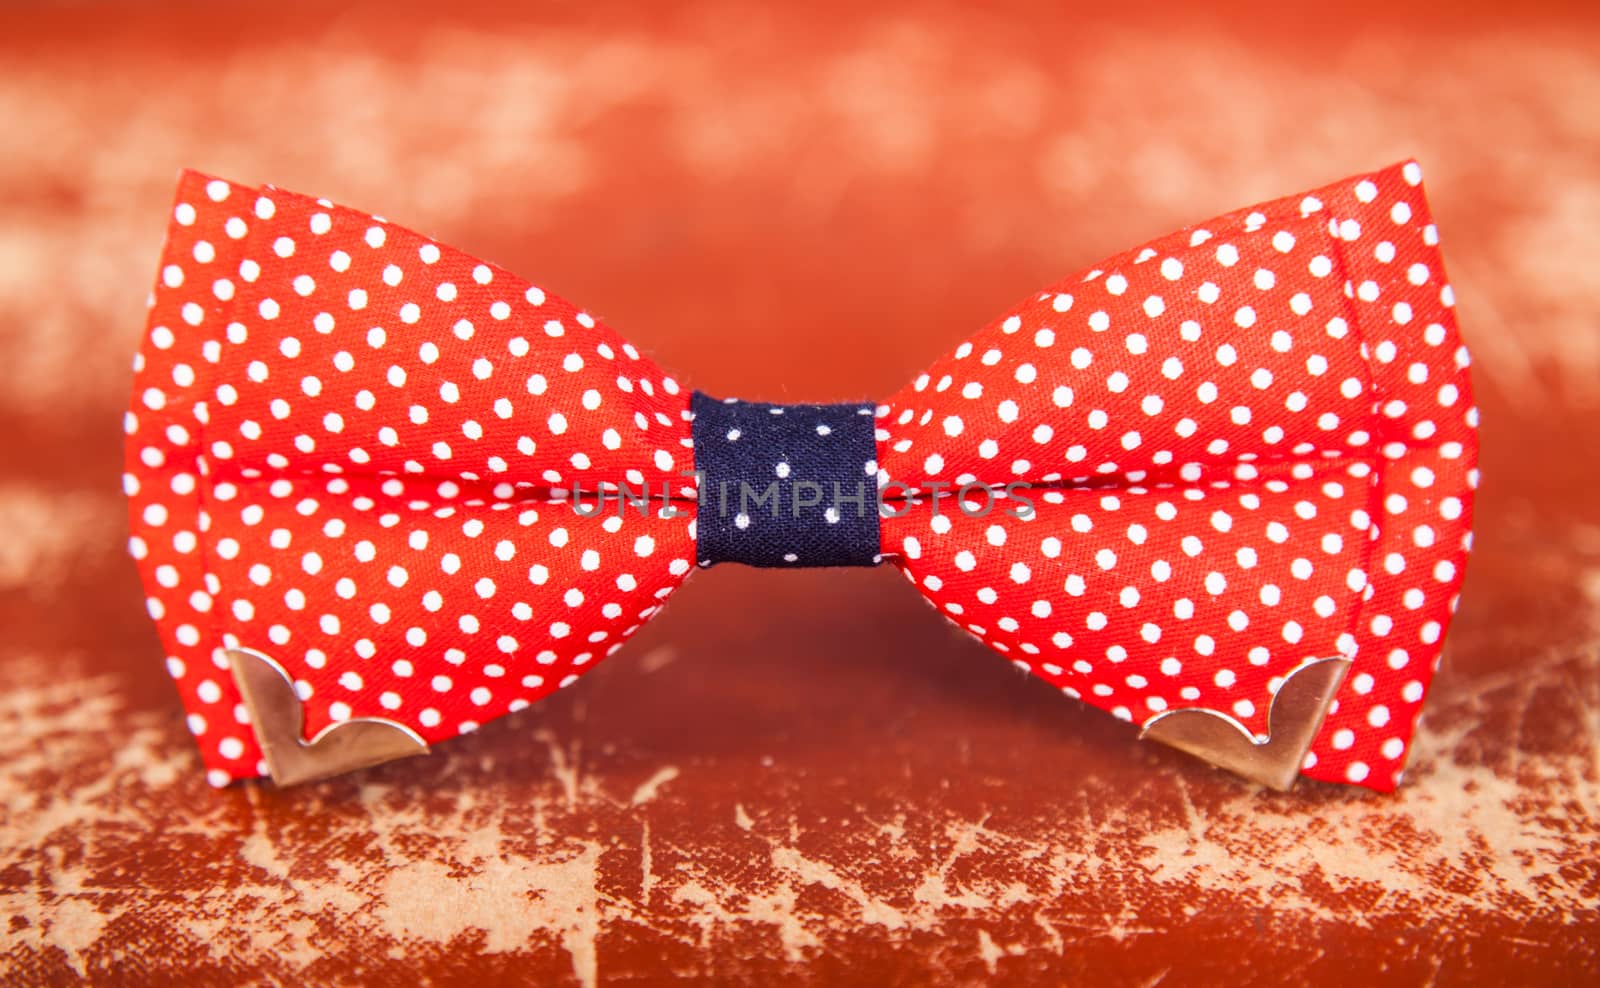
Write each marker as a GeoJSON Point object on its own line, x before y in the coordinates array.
{"type": "Point", "coordinates": [1251, 443]}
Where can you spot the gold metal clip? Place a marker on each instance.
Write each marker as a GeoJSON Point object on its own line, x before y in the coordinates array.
{"type": "Point", "coordinates": [1297, 713]}
{"type": "Point", "coordinates": [279, 721]}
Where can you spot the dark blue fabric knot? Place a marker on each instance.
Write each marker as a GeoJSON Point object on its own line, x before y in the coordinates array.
{"type": "Point", "coordinates": [785, 485]}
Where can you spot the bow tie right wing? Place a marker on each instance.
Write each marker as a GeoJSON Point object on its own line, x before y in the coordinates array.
{"type": "Point", "coordinates": [1252, 445]}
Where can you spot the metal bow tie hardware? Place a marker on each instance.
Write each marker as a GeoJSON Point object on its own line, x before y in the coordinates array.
{"type": "Point", "coordinates": [1218, 485]}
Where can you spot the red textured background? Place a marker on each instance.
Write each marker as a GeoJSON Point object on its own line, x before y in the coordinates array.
{"type": "Point", "coordinates": [796, 203]}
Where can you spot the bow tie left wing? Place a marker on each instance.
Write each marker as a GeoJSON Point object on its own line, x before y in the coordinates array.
{"type": "Point", "coordinates": [1251, 446]}
{"type": "Point", "coordinates": [346, 452]}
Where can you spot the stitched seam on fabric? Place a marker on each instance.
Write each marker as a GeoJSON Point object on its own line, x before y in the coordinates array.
{"type": "Point", "coordinates": [203, 481]}
{"type": "Point", "coordinates": [1381, 466]}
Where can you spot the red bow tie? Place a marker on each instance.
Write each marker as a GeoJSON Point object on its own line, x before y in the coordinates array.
{"type": "Point", "coordinates": [1219, 486]}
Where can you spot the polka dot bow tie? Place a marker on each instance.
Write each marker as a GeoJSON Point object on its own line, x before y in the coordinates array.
{"type": "Point", "coordinates": [1219, 486]}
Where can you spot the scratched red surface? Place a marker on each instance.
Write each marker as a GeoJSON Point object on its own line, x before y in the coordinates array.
{"type": "Point", "coordinates": [800, 777]}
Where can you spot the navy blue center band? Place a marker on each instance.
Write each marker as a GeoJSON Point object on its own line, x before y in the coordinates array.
{"type": "Point", "coordinates": [785, 485]}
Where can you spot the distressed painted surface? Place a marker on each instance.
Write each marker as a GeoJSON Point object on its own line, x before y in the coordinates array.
{"type": "Point", "coordinates": [805, 776]}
